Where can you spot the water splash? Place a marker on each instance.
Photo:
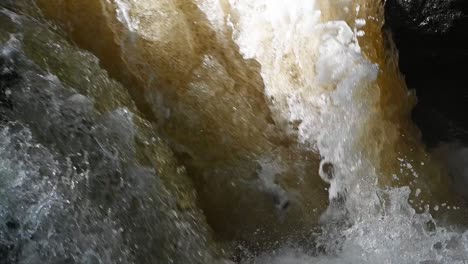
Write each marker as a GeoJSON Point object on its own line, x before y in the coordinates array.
{"type": "Point", "coordinates": [81, 178]}
{"type": "Point", "coordinates": [278, 96]}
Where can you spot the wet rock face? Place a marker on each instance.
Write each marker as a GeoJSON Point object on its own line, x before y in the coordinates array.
{"type": "Point", "coordinates": [80, 170]}
{"type": "Point", "coordinates": [432, 39]}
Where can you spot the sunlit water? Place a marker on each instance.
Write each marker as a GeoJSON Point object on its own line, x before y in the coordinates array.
{"type": "Point", "coordinates": [289, 123]}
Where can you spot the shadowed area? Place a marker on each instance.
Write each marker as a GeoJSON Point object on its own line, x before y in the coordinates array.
{"type": "Point", "coordinates": [432, 40]}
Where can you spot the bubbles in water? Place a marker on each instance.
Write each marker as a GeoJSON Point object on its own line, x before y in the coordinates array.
{"type": "Point", "coordinates": [77, 184]}
{"type": "Point", "coordinates": [395, 235]}
{"type": "Point", "coordinates": [322, 90]}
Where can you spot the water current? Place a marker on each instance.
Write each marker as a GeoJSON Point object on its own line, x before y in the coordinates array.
{"type": "Point", "coordinates": [216, 131]}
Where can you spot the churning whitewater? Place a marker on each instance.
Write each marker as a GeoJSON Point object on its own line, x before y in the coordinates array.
{"type": "Point", "coordinates": [216, 131]}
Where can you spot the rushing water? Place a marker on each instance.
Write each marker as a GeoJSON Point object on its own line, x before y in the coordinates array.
{"type": "Point", "coordinates": [209, 131]}
{"type": "Point", "coordinates": [83, 178]}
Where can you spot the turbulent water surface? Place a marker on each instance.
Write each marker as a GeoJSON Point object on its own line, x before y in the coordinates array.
{"type": "Point", "coordinates": [215, 131]}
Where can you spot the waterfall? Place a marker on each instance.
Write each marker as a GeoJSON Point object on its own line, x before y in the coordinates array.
{"type": "Point", "coordinates": [211, 131]}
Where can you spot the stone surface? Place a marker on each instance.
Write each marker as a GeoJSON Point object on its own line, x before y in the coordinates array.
{"type": "Point", "coordinates": [432, 39]}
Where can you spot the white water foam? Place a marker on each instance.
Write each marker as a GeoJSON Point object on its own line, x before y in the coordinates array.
{"type": "Point", "coordinates": [397, 235]}
{"type": "Point", "coordinates": [315, 75]}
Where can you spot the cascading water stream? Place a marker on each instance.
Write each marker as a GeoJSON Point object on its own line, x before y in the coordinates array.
{"type": "Point", "coordinates": [289, 121]}
{"type": "Point", "coordinates": [83, 178]}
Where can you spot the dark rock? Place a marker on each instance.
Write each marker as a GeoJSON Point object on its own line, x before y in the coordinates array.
{"type": "Point", "coordinates": [432, 39]}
